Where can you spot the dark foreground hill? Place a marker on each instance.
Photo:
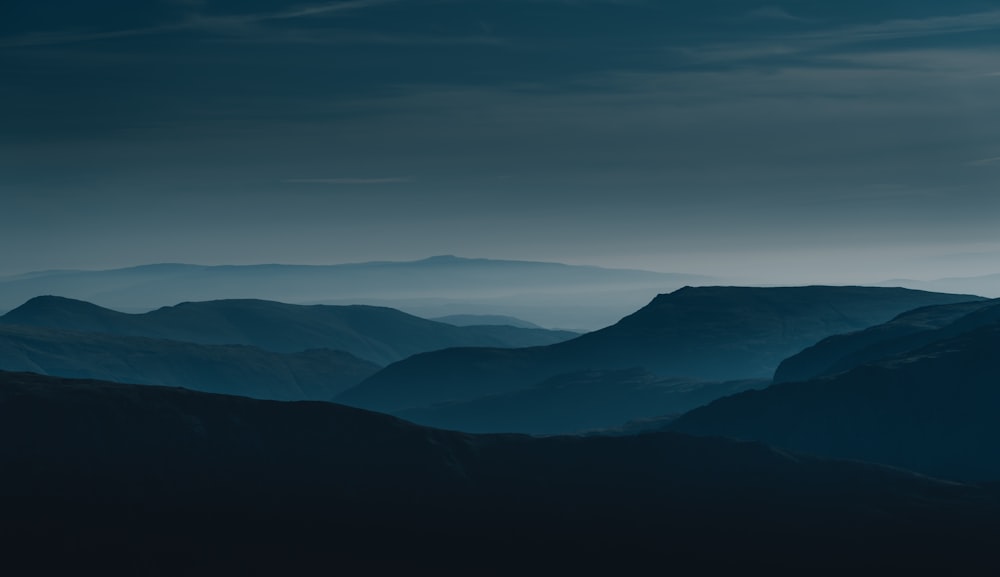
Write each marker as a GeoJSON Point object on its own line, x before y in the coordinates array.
{"type": "Point", "coordinates": [119, 479]}
{"type": "Point", "coordinates": [378, 334]}
{"type": "Point", "coordinates": [706, 333]}
{"type": "Point", "coordinates": [317, 374]}
{"type": "Point", "coordinates": [933, 410]}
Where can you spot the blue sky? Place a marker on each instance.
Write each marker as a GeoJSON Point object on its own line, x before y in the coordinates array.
{"type": "Point", "coordinates": [797, 141]}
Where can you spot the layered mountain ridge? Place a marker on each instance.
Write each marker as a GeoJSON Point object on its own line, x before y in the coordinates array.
{"type": "Point", "coordinates": [931, 409]}
{"type": "Point", "coordinates": [698, 333]}
{"type": "Point", "coordinates": [378, 334]}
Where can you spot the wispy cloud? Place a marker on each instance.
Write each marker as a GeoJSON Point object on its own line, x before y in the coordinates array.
{"type": "Point", "coordinates": [842, 37]}
{"type": "Point", "coordinates": [774, 13]}
{"type": "Point", "coordinates": [194, 22]}
{"type": "Point", "coordinates": [909, 28]}
{"type": "Point", "coordinates": [994, 161]}
{"type": "Point", "coordinates": [389, 180]}
{"type": "Point", "coordinates": [334, 36]}
{"type": "Point", "coordinates": [322, 9]}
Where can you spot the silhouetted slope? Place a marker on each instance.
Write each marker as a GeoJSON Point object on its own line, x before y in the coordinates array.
{"type": "Point", "coordinates": [577, 402]}
{"type": "Point", "coordinates": [709, 333]}
{"type": "Point", "coordinates": [232, 369]}
{"type": "Point", "coordinates": [381, 335]}
{"type": "Point", "coordinates": [149, 480]}
{"type": "Point", "coordinates": [472, 320]}
{"type": "Point", "coordinates": [907, 331]}
{"type": "Point", "coordinates": [932, 410]}
{"type": "Point", "coordinates": [988, 285]}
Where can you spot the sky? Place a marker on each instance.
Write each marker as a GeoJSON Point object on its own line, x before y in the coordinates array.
{"type": "Point", "coordinates": [800, 141]}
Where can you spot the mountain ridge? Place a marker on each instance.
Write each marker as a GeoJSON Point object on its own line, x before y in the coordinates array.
{"type": "Point", "coordinates": [235, 369]}
{"type": "Point", "coordinates": [702, 333]}
{"type": "Point", "coordinates": [588, 296]}
{"type": "Point", "coordinates": [378, 334]}
{"type": "Point", "coordinates": [931, 409]}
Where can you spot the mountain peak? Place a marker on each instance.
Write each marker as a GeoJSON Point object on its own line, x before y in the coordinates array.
{"type": "Point", "coordinates": [443, 258]}
{"type": "Point", "coordinates": [49, 303]}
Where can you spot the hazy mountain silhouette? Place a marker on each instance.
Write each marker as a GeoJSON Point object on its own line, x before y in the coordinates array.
{"type": "Point", "coordinates": [159, 481]}
{"type": "Point", "coordinates": [988, 285]}
{"type": "Point", "coordinates": [577, 402]}
{"type": "Point", "coordinates": [931, 410]}
{"type": "Point", "coordinates": [551, 294]}
{"type": "Point", "coordinates": [906, 332]}
{"type": "Point", "coordinates": [706, 333]}
{"type": "Point", "coordinates": [472, 320]}
{"type": "Point", "coordinates": [233, 369]}
{"type": "Point", "coordinates": [378, 334]}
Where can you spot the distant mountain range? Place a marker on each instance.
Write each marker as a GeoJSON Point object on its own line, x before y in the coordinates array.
{"type": "Point", "coordinates": [122, 479]}
{"type": "Point", "coordinates": [986, 285]}
{"type": "Point", "coordinates": [549, 294]}
{"type": "Point", "coordinates": [377, 334]}
{"type": "Point", "coordinates": [700, 334]}
{"type": "Point", "coordinates": [931, 409]}
{"type": "Point", "coordinates": [471, 320]}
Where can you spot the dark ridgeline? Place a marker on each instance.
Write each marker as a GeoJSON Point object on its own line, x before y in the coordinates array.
{"type": "Point", "coordinates": [578, 402]}
{"type": "Point", "coordinates": [908, 331]}
{"type": "Point", "coordinates": [706, 333]}
{"type": "Point", "coordinates": [378, 334]}
{"type": "Point", "coordinates": [144, 480]}
{"type": "Point", "coordinates": [317, 374]}
{"type": "Point", "coordinates": [932, 409]}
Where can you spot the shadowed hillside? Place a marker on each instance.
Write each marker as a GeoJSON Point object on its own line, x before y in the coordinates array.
{"type": "Point", "coordinates": [906, 332]}
{"type": "Point", "coordinates": [706, 333]}
{"type": "Point", "coordinates": [931, 410]}
{"type": "Point", "coordinates": [233, 369]}
{"type": "Point", "coordinates": [380, 335]}
{"type": "Point", "coordinates": [577, 402]}
{"type": "Point", "coordinates": [158, 481]}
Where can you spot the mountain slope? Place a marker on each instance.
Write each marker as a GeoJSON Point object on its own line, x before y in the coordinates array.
{"type": "Point", "coordinates": [707, 333]}
{"type": "Point", "coordinates": [233, 369]}
{"type": "Point", "coordinates": [380, 335]}
{"type": "Point", "coordinates": [157, 481]}
{"type": "Point", "coordinates": [577, 402]}
{"type": "Point", "coordinates": [931, 410]}
{"type": "Point", "coordinates": [471, 320]}
{"type": "Point", "coordinates": [906, 332]}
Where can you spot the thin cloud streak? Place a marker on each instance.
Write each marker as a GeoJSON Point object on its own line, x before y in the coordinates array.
{"type": "Point", "coordinates": [994, 161]}
{"type": "Point", "coordinates": [799, 43]}
{"type": "Point", "coordinates": [193, 23]}
{"type": "Point", "coordinates": [390, 180]}
{"type": "Point", "coordinates": [773, 12]}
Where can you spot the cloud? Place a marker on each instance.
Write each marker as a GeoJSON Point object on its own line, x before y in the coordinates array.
{"type": "Point", "coordinates": [336, 36]}
{"type": "Point", "coordinates": [994, 161]}
{"type": "Point", "coordinates": [323, 9]}
{"type": "Point", "coordinates": [908, 28]}
{"type": "Point", "coordinates": [389, 180]}
{"type": "Point", "coordinates": [194, 22]}
{"type": "Point", "coordinates": [797, 44]}
{"type": "Point", "coordinates": [774, 13]}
